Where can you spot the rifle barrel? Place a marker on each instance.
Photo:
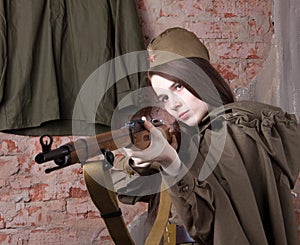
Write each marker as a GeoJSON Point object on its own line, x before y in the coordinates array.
{"type": "Point", "coordinates": [59, 153]}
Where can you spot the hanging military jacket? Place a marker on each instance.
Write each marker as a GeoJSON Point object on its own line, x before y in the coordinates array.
{"type": "Point", "coordinates": [49, 49]}
{"type": "Point", "coordinates": [245, 197]}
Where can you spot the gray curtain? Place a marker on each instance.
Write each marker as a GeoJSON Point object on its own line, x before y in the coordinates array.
{"type": "Point", "coordinates": [278, 83]}
{"type": "Point", "coordinates": [287, 31]}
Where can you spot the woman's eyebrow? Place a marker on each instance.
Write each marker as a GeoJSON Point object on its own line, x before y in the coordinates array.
{"type": "Point", "coordinates": [160, 96]}
{"type": "Point", "coordinates": [172, 86]}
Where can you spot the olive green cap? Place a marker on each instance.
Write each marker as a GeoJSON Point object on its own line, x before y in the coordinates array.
{"type": "Point", "coordinates": [175, 43]}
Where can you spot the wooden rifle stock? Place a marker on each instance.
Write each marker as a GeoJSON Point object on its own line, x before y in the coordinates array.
{"type": "Point", "coordinates": [133, 134]}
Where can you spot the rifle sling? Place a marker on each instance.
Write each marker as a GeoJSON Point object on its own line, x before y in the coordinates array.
{"type": "Point", "coordinates": [160, 223]}
{"type": "Point", "coordinates": [100, 186]}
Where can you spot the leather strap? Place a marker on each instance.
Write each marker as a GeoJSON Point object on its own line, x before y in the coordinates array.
{"type": "Point", "coordinates": [99, 185]}
{"type": "Point", "coordinates": [160, 223]}
{"type": "Point", "coordinates": [170, 234]}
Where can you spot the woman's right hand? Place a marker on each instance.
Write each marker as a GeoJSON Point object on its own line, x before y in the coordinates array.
{"type": "Point", "coordinates": [159, 150]}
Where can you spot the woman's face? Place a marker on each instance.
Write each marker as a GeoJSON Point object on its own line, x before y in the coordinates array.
{"type": "Point", "coordinates": [179, 101]}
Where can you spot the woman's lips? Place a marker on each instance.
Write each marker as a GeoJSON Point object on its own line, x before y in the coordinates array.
{"type": "Point", "coordinates": [183, 115]}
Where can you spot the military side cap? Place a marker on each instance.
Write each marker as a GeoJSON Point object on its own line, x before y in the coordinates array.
{"type": "Point", "coordinates": [175, 43]}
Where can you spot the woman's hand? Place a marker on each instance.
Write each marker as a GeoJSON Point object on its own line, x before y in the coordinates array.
{"type": "Point", "coordinates": [159, 150]}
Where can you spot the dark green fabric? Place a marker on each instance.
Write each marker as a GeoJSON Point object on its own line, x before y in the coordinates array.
{"type": "Point", "coordinates": [247, 197]}
{"type": "Point", "coordinates": [47, 51]}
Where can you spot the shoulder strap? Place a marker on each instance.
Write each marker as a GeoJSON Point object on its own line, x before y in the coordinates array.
{"type": "Point", "coordinates": [99, 185]}
{"type": "Point", "coordinates": [160, 223]}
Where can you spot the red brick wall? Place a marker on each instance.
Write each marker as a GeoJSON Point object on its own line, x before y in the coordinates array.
{"type": "Point", "coordinates": [46, 209]}
{"type": "Point", "coordinates": [238, 33]}
{"type": "Point", "coordinates": [56, 209]}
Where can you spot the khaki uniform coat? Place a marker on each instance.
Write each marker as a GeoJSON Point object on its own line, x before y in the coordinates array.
{"type": "Point", "coordinates": [246, 198]}
{"type": "Point", "coordinates": [49, 48]}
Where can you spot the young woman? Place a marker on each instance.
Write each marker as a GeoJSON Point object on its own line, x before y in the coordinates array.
{"type": "Point", "coordinates": [232, 183]}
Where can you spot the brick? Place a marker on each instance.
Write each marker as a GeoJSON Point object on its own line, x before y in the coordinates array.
{"type": "Point", "coordinates": [223, 8]}
{"type": "Point", "coordinates": [20, 196]}
{"type": "Point", "coordinates": [141, 5]}
{"type": "Point", "coordinates": [253, 7]}
{"type": "Point", "coordinates": [58, 191]}
{"type": "Point", "coordinates": [242, 8]}
{"type": "Point", "coordinates": [259, 27]}
{"type": "Point", "coordinates": [9, 166]}
{"type": "Point", "coordinates": [53, 213]}
{"type": "Point", "coordinates": [237, 67]}
{"type": "Point", "coordinates": [20, 182]}
{"type": "Point", "coordinates": [12, 236]}
{"type": "Point", "coordinates": [204, 29]}
{"type": "Point", "coordinates": [147, 7]}
{"type": "Point", "coordinates": [36, 214]}
{"type": "Point", "coordinates": [228, 70]}
{"type": "Point", "coordinates": [52, 236]}
{"type": "Point", "coordinates": [219, 30]}
{"type": "Point", "coordinates": [5, 238]}
{"type": "Point", "coordinates": [7, 205]}
{"type": "Point", "coordinates": [37, 174]}
{"type": "Point", "coordinates": [8, 174]}
{"type": "Point", "coordinates": [78, 192]}
{"type": "Point", "coordinates": [37, 192]}
{"type": "Point", "coordinates": [80, 206]}
{"type": "Point", "coordinates": [130, 212]}
{"type": "Point", "coordinates": [72, 174]}
{"type": "Point", "coordinates": [2, 223]}
{"type": "Point", "coordinates": [29, 216]}
{"type": "Point", "coordinates": [88, 231]}
{"type": "Point", "coordinates": [240, 50]}
{"type": "Point", "coordinates": [253, 68]}
{"type": "Point", "coordinates": [8, 147]}
{"type": "Point", "coordinates": [200, 9]}
{"type": "Point", "coordinates": [105, 237]}
{"type": "Point", "coordinates": [232, 30]}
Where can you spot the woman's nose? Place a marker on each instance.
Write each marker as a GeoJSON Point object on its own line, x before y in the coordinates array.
{"type": "Point", "coordinates": [174, 103]}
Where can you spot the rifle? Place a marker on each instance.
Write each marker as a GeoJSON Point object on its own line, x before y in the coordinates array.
{"type": "Point", "coordinates": [133, 134]}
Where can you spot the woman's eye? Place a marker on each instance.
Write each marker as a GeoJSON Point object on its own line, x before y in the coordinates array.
{"type": "Point", "coordinates": [178, 86]}
{"type": "Point", "coordinates": [164, 99]}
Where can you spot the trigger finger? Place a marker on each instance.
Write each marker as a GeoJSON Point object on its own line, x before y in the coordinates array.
{"type": "Point", "coordinates": [174, 143]}
{"type": "Point", "coordinates": [148, 125]}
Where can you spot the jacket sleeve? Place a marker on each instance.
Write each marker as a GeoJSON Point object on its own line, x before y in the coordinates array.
{"type": "Point", "coordinates": [3, 51]}
{"type": "Point", "coordinates": [194, 203]}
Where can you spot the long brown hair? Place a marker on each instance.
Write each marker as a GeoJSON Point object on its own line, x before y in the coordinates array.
{"type": "Point", "coordinates": [211, 87]}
